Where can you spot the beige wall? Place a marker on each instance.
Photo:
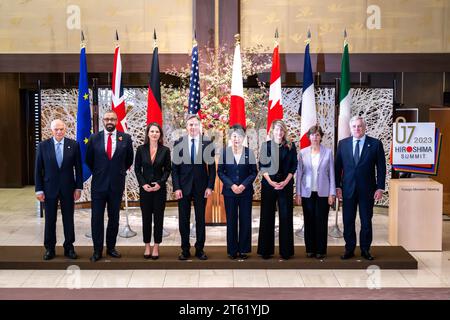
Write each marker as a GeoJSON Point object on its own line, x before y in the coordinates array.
{"type": "Point", "coordinates": [404, 26]}
{"type": "Point", "coordinates": [45, 26]}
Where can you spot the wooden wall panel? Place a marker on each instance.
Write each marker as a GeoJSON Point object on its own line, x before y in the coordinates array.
{"type": "Point", "coordinates": [441, 116]}
{"type": "Point", "coordinates": [11, 132]}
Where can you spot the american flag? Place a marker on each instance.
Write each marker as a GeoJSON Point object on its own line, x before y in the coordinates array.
{"type": "Point", "coordinates": [194, 86]}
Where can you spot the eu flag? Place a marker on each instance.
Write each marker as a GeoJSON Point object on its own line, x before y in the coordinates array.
{"type": "Point", "coordinates": [83, 113]}
{"type": "Point", "coordinates": [194, 86]}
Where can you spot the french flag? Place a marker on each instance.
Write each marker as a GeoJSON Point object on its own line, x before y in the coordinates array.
{"type": "Point", "coordinates": [307, 108]}
{"type": "Point", "coordinates": [237, 107]}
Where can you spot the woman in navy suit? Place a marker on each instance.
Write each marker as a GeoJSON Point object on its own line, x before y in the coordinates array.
{"type": "Point", "coordinates": [237, 170]}
{"type": "Point", "coordinates": [278, 163]}
{"type": "Point", "coordinates": [316, 192]}
{"type": "Point", "coordinates": [152, 166]}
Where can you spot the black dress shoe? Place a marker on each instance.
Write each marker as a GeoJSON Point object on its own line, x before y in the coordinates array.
{"type": "Point", "coordinates": [285, 257]}
{"type": "Point", "coordinates": [347, 255]}
{"type": "Point", "coordinates": [201, 255]}
{"type": "Point", "coordinates": [232, 256]}
{"type": "Point", "coordinates": [96, 256]}
{"type": "Point", "coordinates": [71, 254]}
{"type": "Point", "coordinates": [113, 253]}
{"type": "Point", "coordinates": [366, 255]}
{"type": "Point", "coordinates": [310, 255]}
{"type": "Point", "coordinates": [321, 256]}
{"type": "Point", "coordinates": [185, 255]}
{"type": "Point", "coordinates": [243, 256]}
{"type": "Point", "coordinates": [266, 256]}
{"type": "Point", "coordinates": [49, 255]}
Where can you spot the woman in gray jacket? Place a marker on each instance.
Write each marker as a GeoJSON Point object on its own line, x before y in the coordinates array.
{"type": "Point", "coordinates": [316, 192]}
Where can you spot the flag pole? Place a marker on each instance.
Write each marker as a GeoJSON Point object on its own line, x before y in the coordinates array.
{"type": "Point", "coordinates": [301, 231]}
{"type": "Point", "coordinates": [334, 230]}
{"type": "Point", "coordinates": [126, 232]}
{"type": "Point", "coordinates": [165, 233]}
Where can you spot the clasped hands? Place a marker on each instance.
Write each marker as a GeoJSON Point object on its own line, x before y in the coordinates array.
{"type": "Point", "coordinates": [179, 193]}
{"type": "Point", "coordinates": [149, 188]}
{"type": "Point", "coordinates": [238, 189]}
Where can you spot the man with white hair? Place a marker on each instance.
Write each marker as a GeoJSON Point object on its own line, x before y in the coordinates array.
{"type": "Point", "coordinates": [357, 159]}
{"type": "Point", "coordinates": [58, 177]}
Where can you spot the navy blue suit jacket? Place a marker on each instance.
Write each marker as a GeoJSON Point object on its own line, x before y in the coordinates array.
{"type": "Point", "coordinates": [202, 173]}
{"type": "Point", "coordinates": [109, 175]}
{"type": "Point", "coordinates": [50, 178]}
{"type": "Point", "coordinates": [243, 172]}
{"type": "Point", "coordinates": [360, 177]}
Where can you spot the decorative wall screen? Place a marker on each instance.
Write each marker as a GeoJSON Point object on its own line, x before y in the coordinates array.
{"type": "Point", "coordinates": [375, 105]}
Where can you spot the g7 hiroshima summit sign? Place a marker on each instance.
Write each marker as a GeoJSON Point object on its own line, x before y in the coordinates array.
{"type": "Point", "coordinates": [413, 143]}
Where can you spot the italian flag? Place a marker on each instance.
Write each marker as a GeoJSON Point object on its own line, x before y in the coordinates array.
{"type": "Point", "coordinates": [345, 99]}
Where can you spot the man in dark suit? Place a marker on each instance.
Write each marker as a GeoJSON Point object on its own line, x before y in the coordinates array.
{"type": "Point", "coordinates": [58, 177]}
{"type": "Point", "coordinates": [109, 154]}
{"type": "Point", "coordinates": [193, 175]}
{"type": "Point", "coordinates": [357, 158]}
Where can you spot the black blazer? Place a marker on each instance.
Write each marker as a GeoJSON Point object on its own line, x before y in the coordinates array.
{"type": "Point", "coordinates": [202, 172]}
{"type": "Point", "coordinates": [243, 172]}
{"type": "Point", "coordinates": [278, 168]}
{"type": "Point", "coordinates": [350, 177]}
{"type": "Point", "coordinates": [50, 178]}
{"type": "Point", "coordinates": [148, 172]}
{"type": "Point", "coordinates": [109, 175]}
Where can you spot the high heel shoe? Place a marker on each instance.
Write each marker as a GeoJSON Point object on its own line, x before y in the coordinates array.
{"type": "Point", "coordinates": [147, 256]}
{"type": "Point", "coordinates": [155, 257]}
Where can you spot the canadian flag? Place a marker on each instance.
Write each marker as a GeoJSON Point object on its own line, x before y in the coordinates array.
{"type": "Point", "coordinates": [275, 111]}
{"type": "Point", "coordinates": [237, 107]}
{"type": "Point", "coordinates": [118, 100]}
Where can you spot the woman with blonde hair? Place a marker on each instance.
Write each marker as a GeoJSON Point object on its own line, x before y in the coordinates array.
{"type": "Point", "coordinates": [278, 163]}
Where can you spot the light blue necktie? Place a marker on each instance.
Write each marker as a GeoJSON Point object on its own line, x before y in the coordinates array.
{"type": "Point", "coordinates": [59, 156]}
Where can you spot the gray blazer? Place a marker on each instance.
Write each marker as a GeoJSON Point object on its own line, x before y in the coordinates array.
{"type": "Point", "coordinates": [325, 174]}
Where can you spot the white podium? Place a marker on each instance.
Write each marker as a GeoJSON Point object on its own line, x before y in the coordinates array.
{"type": "Point", "coordinates": [415, 214]}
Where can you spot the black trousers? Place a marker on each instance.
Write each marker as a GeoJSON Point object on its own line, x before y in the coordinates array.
{"type": "Point", "coordinates": [266, 239]}
{"type": "Point", "coordinates": [153, 205]}
{"type": "Point", "coordinates": [315, 214]}
{"type": "Point", "coordinates": [349, 206]}
{"type": "Point", "coordinates": [99, 201]}
{"type": "Point", "coordinates": [184, 217]}
{"type": "Point", "coordinates": [67, 212]}
{"type": "Point", "coordinates": [239, 224]}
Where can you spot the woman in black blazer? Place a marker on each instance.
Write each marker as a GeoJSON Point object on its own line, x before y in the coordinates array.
{"type": "Point", "coordinates": [237, 170]}
{"type": "Point", "coordinates": [278, 163]}
{"type": "Point", "coordinates": [152, 166]}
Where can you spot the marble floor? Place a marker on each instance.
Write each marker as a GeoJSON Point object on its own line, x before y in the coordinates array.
{"type": "Point", "coordinates": [20, 224]}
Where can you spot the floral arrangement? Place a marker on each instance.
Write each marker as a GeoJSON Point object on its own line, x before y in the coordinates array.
{"type": "Point", "coordinates": [215, 84]}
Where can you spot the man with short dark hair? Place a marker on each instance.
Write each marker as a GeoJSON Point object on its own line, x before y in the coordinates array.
{"type": "Point", "coordinates": [193, 176]}
{"type": "Point", "coordinates": [58, 177]}
{"type": "Point", "coordinates": [109, 155]}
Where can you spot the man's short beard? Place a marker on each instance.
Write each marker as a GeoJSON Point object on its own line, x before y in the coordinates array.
{"type": "Point", "coordinates": [110, 128]}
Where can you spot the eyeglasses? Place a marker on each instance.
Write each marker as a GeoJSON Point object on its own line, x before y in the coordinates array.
{"type": "Point", "coordinates": [110, 119]}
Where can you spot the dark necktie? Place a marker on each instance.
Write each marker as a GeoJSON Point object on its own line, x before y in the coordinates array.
{"type": "Point", "coordinates": [109, 146]}
{"type": "Point", "coordinates": [193, 151]}
{"type": "Point", "coordinates": [356, 154]}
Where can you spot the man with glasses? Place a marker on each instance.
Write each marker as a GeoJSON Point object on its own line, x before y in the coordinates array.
{"type": "Point", "coordinates": [58, 177]}
{"type": "Point", "coordinates": [109, 154]}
